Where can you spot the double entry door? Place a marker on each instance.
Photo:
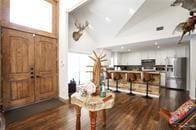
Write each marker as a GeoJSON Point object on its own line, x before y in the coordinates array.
{"type": "Point", "coordinates": [29, 68]}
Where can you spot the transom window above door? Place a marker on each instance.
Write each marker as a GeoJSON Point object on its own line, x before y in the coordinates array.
{"type": "Point", "coordinates": [37, 14]}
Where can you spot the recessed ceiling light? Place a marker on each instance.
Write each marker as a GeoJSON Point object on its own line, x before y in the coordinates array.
{"type": "Point", "coordinates": [131, 11]}
{"type": "Point", "coordinates": [122, 47]}
{"type": "Point", "coordinates": [90, 26]}
{"type": "Point", "coordinates": [158, 47]}
{"type": "Point", "coordinates": [108, 19]}
{"type": "Point", "coordinates": [156, 43]}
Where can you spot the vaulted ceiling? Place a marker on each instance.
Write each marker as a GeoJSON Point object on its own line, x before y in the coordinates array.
{"type": "Point", "coordinates": [148, 9]}
{"type": "Point", "coordinates": [107, 17]}
{"type": "Point", "coordinates": [111, 20]}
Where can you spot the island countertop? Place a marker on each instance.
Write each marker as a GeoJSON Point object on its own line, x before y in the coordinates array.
{"type": "Point", "coordinates": [138, 85]}
{"type": "Point", "coordinates": [130, 71]}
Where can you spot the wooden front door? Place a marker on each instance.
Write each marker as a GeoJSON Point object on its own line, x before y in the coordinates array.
{"type": "Point", "coordinates": [17, 68]}
{"type": "Point", "coordinates": [46, 68]}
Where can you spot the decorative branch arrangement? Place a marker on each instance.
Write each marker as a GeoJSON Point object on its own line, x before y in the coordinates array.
{"type": "Point", "coordinates": [189, 25]}
{"type": "Point", "coordinates": [97, 69]}
{"type": "Point", "coordinates": [77, 34]}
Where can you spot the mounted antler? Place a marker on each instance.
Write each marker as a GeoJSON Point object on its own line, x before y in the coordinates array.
{"type": "Point", "coordinates": [81, 28]}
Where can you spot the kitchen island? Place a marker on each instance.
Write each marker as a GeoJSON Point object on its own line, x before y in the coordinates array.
{"type": "Point", "coordinates": [138, 86]}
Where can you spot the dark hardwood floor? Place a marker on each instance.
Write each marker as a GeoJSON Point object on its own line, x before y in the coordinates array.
{"type": "Point", "coordinates": [129, 113]}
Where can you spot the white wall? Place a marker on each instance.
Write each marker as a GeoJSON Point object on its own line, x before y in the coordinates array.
{"type": "Point", "coordinates": [64, 5]}
{"type": "Point", "coordinates": [134, 58]}
{"type": "Point", "coordinates": [86, 43]}
{"type": "Point", "coordinates": [193, 67]}
{"type": "Point", "coordinates": [145, 29]}
{"type": "Point", "coordinates": [187, 55]}
{"type": "Point", "coordinates": [140, 27]}
{"type": "Point", "coordinates": [63, 49]}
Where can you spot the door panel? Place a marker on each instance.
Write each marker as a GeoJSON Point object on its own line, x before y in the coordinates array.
{"type": "Point", "coordinates": [45, 64]}
{"type": "Point", "coordinates": [18, 60]}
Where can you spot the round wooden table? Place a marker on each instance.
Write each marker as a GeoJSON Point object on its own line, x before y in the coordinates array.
{"type": "Point", "coordinates": [93, 104]}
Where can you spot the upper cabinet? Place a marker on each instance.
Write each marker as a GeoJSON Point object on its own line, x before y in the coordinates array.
{"type": "Point", "coordinates": [134, 58]}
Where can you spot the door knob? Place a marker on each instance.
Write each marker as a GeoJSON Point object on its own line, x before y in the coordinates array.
{"type": "Point", "coordinates": [32, 77]}
{"type": "Point", "coordinates": [32, 68]}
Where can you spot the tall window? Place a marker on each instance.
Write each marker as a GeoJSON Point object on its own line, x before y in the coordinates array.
{"type": "Point", "coordinates": [77, 67]}
{"type": "Point", "coordinates": [32, 13]}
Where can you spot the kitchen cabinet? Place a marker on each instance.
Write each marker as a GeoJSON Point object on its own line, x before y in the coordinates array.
{"type": "Point", "coordinates": [163, 78]}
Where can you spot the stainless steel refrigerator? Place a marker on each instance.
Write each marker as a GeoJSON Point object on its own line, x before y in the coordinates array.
{"type": "Point", "coordinates": [176, 69]}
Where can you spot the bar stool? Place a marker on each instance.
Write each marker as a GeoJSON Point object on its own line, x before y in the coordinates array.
{"type": "Point", "coordinates": [117, 76]}
{"type": "Point", "coordinates": [131, 77]}
{"type": "Point", "coordinates": [147, 77]}
{"type": "Point", "coordinates": [108, 77]}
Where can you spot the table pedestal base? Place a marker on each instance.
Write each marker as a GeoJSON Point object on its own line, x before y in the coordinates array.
{"type": "Point", "coordinates": [93, 117]}
{"type": "Point", "coordinates": [104, 117]}
{"type": "Point", "coordinates": [78, 115]}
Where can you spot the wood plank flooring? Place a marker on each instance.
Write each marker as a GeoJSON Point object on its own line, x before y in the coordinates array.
{"type": "Point", "coordinates": [129, 113]}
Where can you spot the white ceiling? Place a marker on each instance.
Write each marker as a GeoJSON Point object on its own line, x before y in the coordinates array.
{"type": "Point", "coordinates": [75, 4]}
{"type": "Point", "coordinates": [150, 45]}
{"type": "Point", "coordinates": [149, 8]}
{"type": "Point", "coordinates": [107, 17]}
{"type": "Point", "coordinates": [110, 19]}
